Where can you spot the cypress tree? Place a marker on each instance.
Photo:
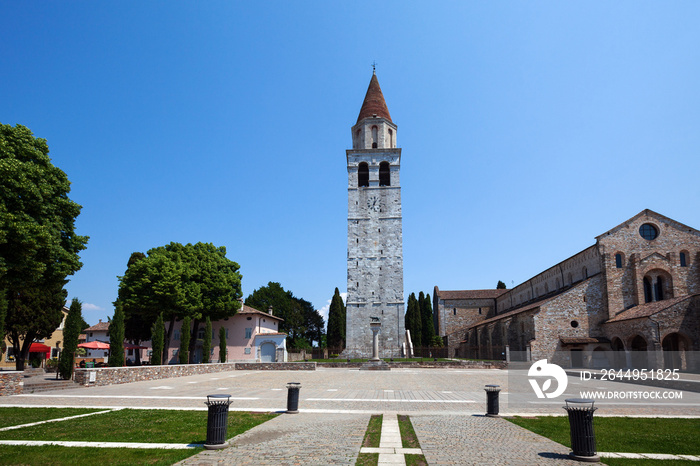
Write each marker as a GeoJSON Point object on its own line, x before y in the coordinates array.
{"type": "Point", "coordinates": [336, 322]}
{"type": "Point", "coordinates": [222, 344]}
{"type": "Point", "coordinates": [71, 332]}
{"type": "Point", "coordinates": [116, 337]}
{"type": "Point", "coordinates": [184, 351]}
{"type": "Point", "coordinates": [206, 344]}
{"type": "Point", "coordinates": [157, 340]}
{"type": "Point", "coordinates": [500, 285]}
{"type": "Point", "coordinates": [413, 320]}
{"type": "Point", "coordinates": [427, 321]}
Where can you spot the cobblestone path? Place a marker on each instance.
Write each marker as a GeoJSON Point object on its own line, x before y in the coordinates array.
{"type": "Point", "coordinates": [294, 439]}
{"type": "Point", "coordinates": [481, 440]}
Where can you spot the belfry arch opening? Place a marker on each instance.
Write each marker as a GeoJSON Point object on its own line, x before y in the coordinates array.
{"type": "Point", "coordinates": [384, 174]}
{"type": "Point", "coordinates": [657, 285]}
{"type": "Point", "coordinates": [363, 175]}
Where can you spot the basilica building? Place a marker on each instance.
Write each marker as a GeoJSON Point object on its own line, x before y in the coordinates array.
{"type": "Point", "coordinates": [630, 300]}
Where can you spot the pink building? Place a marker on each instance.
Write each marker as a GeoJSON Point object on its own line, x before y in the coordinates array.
{"type": "Point", "coordinates": [251, 336]}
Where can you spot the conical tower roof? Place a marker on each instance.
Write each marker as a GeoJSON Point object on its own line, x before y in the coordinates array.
{"type": "Point", "coordinates": [374, 103]}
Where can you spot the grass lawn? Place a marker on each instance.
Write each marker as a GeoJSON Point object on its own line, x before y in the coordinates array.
{"type": "Point", "coordinates": [54, 455]}
{"type": "Point", "coordinates": [137, 425]}
{"type": "Point", "coordinates": [626, 435]}
{"type": "Point", "coordinates": [19, 416]}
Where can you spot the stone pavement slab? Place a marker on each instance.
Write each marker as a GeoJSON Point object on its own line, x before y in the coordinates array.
{"type": "Point", "coordinates": [480, 440]}
{"type": "Point", "coordinates": [293, 439]}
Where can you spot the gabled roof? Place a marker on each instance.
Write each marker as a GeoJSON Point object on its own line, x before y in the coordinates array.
{"type": "Point", "coordinates": [470, 294]}
{"type": "Point", "coordinates": [648, 309]}
{"type": "Point", "coordinates": [650, 213]}
{"type": "Point", "coordinates": [250, 310]}
{"type": "Point", "coordinates": [374, 103]}
{"type": "Point", "coordinates": [99, 327]}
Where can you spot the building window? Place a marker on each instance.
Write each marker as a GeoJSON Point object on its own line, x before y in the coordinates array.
{"type": "Point", "coordinates": [375, 137]}
{"type": "Point", "coordinates": [659, 289]}
{"type": "Point", "coordinates": [455, 311]}
{"type": "Point", "coordinates": [391, 138]}
{"type": "Point", "coordinates": [200, 334]}
{"type": "Point", "coordinates": [618, 260]}
{"type": "Point", "coordinates": [363, 175]}
{"type": "Point", "coordinates": [584, 272]}
{"type": "Point", "coordinates": [574, 323]}
{"type": "Point", "coordinates": [647, 290]}
{"type": "Point", "coordinates": [247, 351]}
{"type": "Point", "coordinates": [176, 335]}
{"type": "Point", "coordinates": [479, 311]}
{"type": "Point", "coordinates": [384, 174]}
{"type": "Point", "coordinates": [648, 231]}
{"type": "Point", "coordinates": [683, 260]}
{"type": "Point", "coordinates": [248, 332]}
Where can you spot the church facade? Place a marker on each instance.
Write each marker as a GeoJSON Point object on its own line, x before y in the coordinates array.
{"type": "Point", "coordinates": [375, 241]}
{"type": "Point", "coordinates": [631, 299]}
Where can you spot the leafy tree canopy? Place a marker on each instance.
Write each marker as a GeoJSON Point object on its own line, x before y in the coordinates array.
{"type": "Point", "coordinates": [195, 280]}
{"type": "Point", "coordinates": [38, 244]}
{"type": "Point", "coordinates": [301, 320]}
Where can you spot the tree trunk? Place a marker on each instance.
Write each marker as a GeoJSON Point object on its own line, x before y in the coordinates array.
{"type": "Point", "coordinates": [193, 340]}
{"type": "Point", "coordinates": [137, 358]}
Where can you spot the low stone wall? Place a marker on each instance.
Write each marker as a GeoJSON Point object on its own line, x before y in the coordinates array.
{"type": "Point", "coordinates": [117, 375]}
{"type": "Point", "coordinates": [11, 383]}
{"type": "Point", "coordinates": [275, 366]}
{"type": "Point", "coordinates": [425, 364]}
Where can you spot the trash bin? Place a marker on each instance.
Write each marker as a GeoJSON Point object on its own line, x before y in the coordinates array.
{"type": "Point", "coordinates": [217, 421]}
{"type": "Point", "coordinates": [581, 424]}
{"type": "Point", "coordinates": [293, 397]}
{"type": "Point", "coordinates": [492, 392]}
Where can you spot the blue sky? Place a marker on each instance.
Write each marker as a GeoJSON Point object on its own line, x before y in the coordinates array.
{"type": "Point", "coordinates": [527, 128]}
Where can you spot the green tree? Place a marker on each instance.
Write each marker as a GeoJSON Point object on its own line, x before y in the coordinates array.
{"type": "Point", "coordinates": [116, 338]}
{"type": "Point", "coordinates": [137, 326]}
{"type": "Point", "coordinates": [184, 351]}
{"type": "Point", "coordinates": [302, 322]}
{"type": "Point", "coordinates": [71, 332]}
{"type": "Point", "coordinates": [336, 322]}
{"type": "Point", "coordinates": [38, 244]}
{"type": "Point", "coordinates": [222, 344]}
{"type": "Point", "coordinates": [426, 312]}
{"type": "Point", "coordinates": [206, 343]}
{"type": "Point", "coordinates": [195, 280]}
{"type": "Point", "coordinates": [413, 320]}
{"type": "Point", "coordinates": [3, 312]}
{"type": "Point", "coordinates": [500, 285]}
{"type": "Point", "coordinates": [157, 341]}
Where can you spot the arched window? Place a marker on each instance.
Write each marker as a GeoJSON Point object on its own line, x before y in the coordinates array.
{"type": "Point", "coordinates": [375, 137]}
{"type": "Point", "coordinates": [584, 272]}
{"type": "Point", "coordinates": [363, 175]}
{"type": "Point", "coordinates": [384, 174]}
{"type": "Point", "coordinates": [659, 289]}
{"type": "Point", "coordinates": [618, 260]}
{"type": "Point", "coordinates": [647, 290]}
{"type": "Point", "coordinates": [391, 138]}
{"type": "Point", "coordinates": [684, 259]}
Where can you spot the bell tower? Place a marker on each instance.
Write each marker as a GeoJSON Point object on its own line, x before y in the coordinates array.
{"type": "Point", "coordinates": [375, 241]}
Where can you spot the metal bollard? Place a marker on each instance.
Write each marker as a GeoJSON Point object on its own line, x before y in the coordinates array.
{"type": "Point", "coordinates": [293, 397]}
{"type": "Point", "coordinates": [217, 421]}
{"type": "Point", "coordinates": [581, 425]}
{"type": "Point", "coordinates": [492, 400]}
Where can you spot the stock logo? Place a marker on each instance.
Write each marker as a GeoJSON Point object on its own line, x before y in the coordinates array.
{"type": "Point", "coordinates": [542, 369]}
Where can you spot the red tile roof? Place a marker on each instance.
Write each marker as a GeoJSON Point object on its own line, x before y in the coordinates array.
{"type": "Point", "coordinates": [648, 309]}
{"type": "Point", "coordinates": [250, 310]}
{"type": "Point", "coordinates": [470, 294]}
{"type": "Point", "coordinates": [374, 103]}
{"type": "Point", "coordinates": [102, 326]}
{"type": "Point", "coordinates": [267, 334]}
{"type": "Point", "coordinates": [581, 340]}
